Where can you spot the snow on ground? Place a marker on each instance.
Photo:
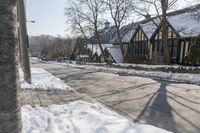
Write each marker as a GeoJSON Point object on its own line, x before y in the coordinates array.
{"type": "Point", "coordinates": [35, 59]}
{"type": "Point", "coordinates": [42, 80]}
{"type": "Point", "coordinates": [146, 66]}
{"type": "Point", "coordinates": [155, 66]}
{"type": "Point", "coordinates": [178, 77]}
{"type": "Point", "coordinates": [79, 117]}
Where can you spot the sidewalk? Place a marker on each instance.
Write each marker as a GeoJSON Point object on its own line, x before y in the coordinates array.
{"type": "Point", "coordinates": [45, 98]}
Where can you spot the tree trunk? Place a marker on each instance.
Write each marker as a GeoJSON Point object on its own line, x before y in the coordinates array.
{"type": "Point", "coordinates": [165, 44]}
{"type": "Point", "coordinates": [101, 48]}
{"type": "Point", "coordinates": [10, 108]}
{"type": "Point", "coordinates": [99, 42]}
{"type": "Point", "coordinates": [120, 43]}
{"type": "Point", "coordinates": [164, 4]}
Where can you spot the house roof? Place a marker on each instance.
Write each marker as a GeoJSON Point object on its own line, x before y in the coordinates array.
{"type": "Point", "coordinates": [126, 33]}
{"type": "Point", "coordinates": [116, 54]}
{"type": "Point", "coordinates": [150, 26]}
{"type": "Point", "coordinates": [106, 34]}
{"type": "Point", "coordinates": [187, 23]}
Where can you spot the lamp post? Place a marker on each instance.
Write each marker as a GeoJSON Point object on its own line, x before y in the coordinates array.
{"type": "Point", "coordinates": [32, 21]}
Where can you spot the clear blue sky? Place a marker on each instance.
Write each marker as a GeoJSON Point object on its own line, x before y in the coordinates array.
{"type": "Point", "coordinates": [50, 19]}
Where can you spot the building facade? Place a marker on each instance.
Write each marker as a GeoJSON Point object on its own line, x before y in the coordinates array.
{"type": "Point", "coordinates": [183, 27]}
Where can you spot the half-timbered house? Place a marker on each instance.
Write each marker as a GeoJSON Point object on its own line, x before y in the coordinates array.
{"type": "Point", "coordinates": [183, 27]}
{"type": "Point", "coordinates": [82, 59]}
{"type": "Point", "coordinates": [173, 44]}
{"type": "Point", "coordinates": [106, 34]}
{"type": "Point", "coordinates": [96, 58]}
{"type": "Point", "coordinates": [140, 41]}
{"type": "Point", "coordinates": [96, 51]}
{"type": "Point", "coordinates": [126, 33]}
{"type": "Point", "coordinates": [113, 55]}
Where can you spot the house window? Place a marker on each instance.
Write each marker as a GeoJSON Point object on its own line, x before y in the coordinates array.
{"type": "Point", "coordinates": [160, 48]}
{"type": "Point", "coordinates": [155, 45]}
{"type": "Point", "coordinates": [170, 48]}
{"type": "Point", "coordinates": [175, 49]}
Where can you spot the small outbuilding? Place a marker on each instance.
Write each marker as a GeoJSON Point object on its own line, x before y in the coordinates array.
{"type": "Point", "coordinates": [113, 55]}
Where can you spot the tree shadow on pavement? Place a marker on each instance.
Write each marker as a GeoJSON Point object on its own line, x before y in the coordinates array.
{"type": "Point", "coordinates": [158, 111]}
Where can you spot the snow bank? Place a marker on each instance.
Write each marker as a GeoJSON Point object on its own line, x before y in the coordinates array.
{"type": "Point", "coordinates": [156, 66]}
{"type": "Point", "coordinates": [35, 59]}
{"type": "Point", "coordinates": [178, 77]}
{"type": "Point", "coordinates": [79, 117]}
{"type": "Point", "coordinates": [146, 66]}
{"type": "Point", "coordinates": [42, 80]}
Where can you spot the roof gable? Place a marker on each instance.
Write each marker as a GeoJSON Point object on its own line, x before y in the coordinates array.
{"type": "Point", "coordinates": [160, 26]}
{"type": "Point", "coordinates": [185, 21]}
{"type": "Point", "coordinates": [126, 32]}
{"type": "Point", "coordinates": [186, 24]}
{"type": "Point", "coordinates": [116, 54]}
{"type": "Point", "coordinates": [106, 34]}
{"type": "Point", "coordinates": [150, 27]}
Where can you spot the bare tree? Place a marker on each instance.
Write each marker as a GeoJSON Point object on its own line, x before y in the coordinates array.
{"type": "Point", "coordinates": [79, 48]}
{"type": "Point", "coordinates": [78, 24]}
{"type": "Point", "coordinates": [10, 108]}
{"type": "Point", "coordinates": [86, 15]}
{"type": "Point", "coordinates": [164, 5]}
{"type": "Point", "coordinates": [159, 9]}
{"type": "Point", "coordinates": [119, 10]}
{"type": "Point", "coordinates": [55, 48]}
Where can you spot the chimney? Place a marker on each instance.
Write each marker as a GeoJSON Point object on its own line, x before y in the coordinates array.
{"type": "Point", "coordinates": [107, 24]}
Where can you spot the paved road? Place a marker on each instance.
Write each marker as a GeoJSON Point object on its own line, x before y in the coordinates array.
{"type": "Point", "coordinates": [172, 106]}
